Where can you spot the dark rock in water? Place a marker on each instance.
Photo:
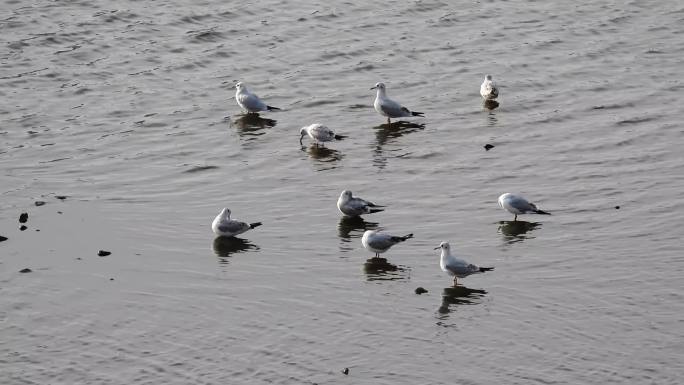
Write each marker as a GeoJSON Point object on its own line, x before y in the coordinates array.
{"type": "Point", "coordinates": [37, 229]}
{"type": "Point", "coordinates": [23, 217]}
{"type": "Point", "coordinates": [26, 270]}
{"type": "Point", "coordinates": [111, 279]}
{"type": "Point", "coordinates": [103, 253]}
{"type": "Point", "coordinates": [39, 203]}
{"type": "Point", "coordinates": [2, 239]}
{"type": "Point", "coordinates": [22, 228]}
{"type": "Point", "coordinates": [345, 371]}
{"type": "Point", "coordinates": [61, 197]}
{"type": "Point", "coordinates": [617, 207]}
{"type": "Point", "coordinates": [421, 290]}
{"type": "Point", "coordinates": [488, 146]}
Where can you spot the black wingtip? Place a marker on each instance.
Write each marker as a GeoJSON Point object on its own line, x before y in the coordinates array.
{"type": "Point", "coordinates": [271, 108]}
{"type": "Point", "coordinates": [375, 210]}
{"type": "Point", "coordinates": [255, 224]}
{"type": "Point", "coordinates": [408, 236]}
{"type": "Point", "coordinates": [416, 113]}
{"type": "Point", "coordinates": [339, 137]}
{"type": "Point", "coordinates": [483, 269]}
{"type": "Point", "coordinates": [542, 212]}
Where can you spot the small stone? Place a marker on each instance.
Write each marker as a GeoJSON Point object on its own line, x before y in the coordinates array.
{"type": "Point", "coordinates": [345, 371]}
{"type": "Point", "coordinates": [22, 228]}
{"type": "Point", "coordinates": [421, 290]}
{"type": "Point", "coordinates": [488, 146]}
{"type": "Point", "coordinates": [2, 239]}
{"type": "Point", "coordinates": [617, 207]}
{"type": "Point", "coordinates": [39, 203]}
{"type": "Point", "coordinates": [26, 270]}
{"type": "Point", "coordinates": [111, 279]}
{"type": "Point", "coordinates": [23, 217]}
{"type": "Point", "coordinates": [61, 197]}
{"type": "Point", "coordinates": [103, 253]}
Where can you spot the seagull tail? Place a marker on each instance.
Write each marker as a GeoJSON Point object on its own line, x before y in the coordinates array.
{"type": "Point", "coordinates": [542, 212]}
{"type": "Point", "coordinates": [416, 113]}
{"type": "Point", "coordinates": [483, 269]}
{"type": "Point", "coordinates": [271, 108]}
{"type": "Point", "coordinates": [375, 210]}
{"type": "Point", "coordinates": [255, 224]}
{"type": "Point", "coordinates": [405, 237]}
{"type": "Point", "coordinates": [339, 137]}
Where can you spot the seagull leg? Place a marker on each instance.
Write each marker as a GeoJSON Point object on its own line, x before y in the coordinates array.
{"type": "Point", "coordinates": [516, 218]}
{"type": "Point", "coordinates": [455, 280]}
{"type": "Point", "coordinates": [388, 121]}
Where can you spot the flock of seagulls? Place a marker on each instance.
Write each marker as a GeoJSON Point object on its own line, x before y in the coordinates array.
{"type": "Point", "coordinates": [374, 241]}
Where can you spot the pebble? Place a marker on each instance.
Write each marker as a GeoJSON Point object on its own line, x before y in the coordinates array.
{"type": "Point", "coordinates": [617, 207]}
{"type": "Point", "coordinates": [39, 203]}
{"type": "Point", "coordinates": [103, 253]}
{"type": "Point", "coordinates": [26, 270]}
{"type": "Point", "coordinates": [23, 217]}
{"type": "Point", "coordinates": [61, 197]}
{"type": "Point", "coordinates": [421, 290]}
{"type": "Point", "coordinates": [22, 228]}
{"type": "Point", "coordinates": [2, 239]}
{"type": "Point", "coordinates": [488, 146]}
{"type": "Point", "coordinates": [345, 371]}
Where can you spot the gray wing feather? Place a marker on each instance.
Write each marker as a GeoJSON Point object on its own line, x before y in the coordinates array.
{"type": "Point", "coordinates": [521, 204]}
{"type": "Point", "coordinates": [252, 102]}
{"type": "Point", "coordinates": [394, 109]}
{"type": "Point", "coordinates": [233, 227]}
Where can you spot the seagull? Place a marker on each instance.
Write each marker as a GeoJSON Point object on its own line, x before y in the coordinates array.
{"type": "Point", "coordinates": [318, 133]}
{"type": "Point", "coordinates": [353, 206]}
{"type": "Point", "coordinates": [488, 89]}
{"type": "Point", "coordinates": [226, 227]}
{"type": "Point", "coordinates": [515, 204]}
{"type": "Point", "coordinates": [248, 101]}
{"type": "Point", "coordinates": [380, 242]}
{"type": "Point", "coordinates": [388, 107]}
{"type": "Point", "coordinates": [456, 267]}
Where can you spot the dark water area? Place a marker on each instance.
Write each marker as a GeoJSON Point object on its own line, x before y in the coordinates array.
{"type": "Point", "coordinates": [121, 118]}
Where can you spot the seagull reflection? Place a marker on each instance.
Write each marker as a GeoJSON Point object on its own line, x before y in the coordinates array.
{"type": "Point", "coordinates": [252, 124]}
{"type": "Point", "coordinates": [225, 247]}
{"type": "Point", "coordinates": [379, 269]}
{"type": "Point", "coordinates": [322, 154]}
{"type": "Point", "coordinates": [352, 227]}
{"type": "Point", "coordinates": [385, 132]}
{"type": "Point", "coordinates": [490, 104]}
{"type": "Point", "coordinates": [514, 231]}
{"type": "Point", "coordinates": [459, 295]}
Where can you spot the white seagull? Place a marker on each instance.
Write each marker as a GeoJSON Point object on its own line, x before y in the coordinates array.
{"type": "Point", "coordinates": [353, 206]}
{"type": "Point", "coordinates": [380, 242]}
{"type": "Point", "coordinates": [456, 267]}
{"type": "Point", "coordinates": [318, 133]}
{"type": "Point", "coordinates": [226, 227]}
{"type": "Point", "coordinates": [388, 107]}
{"type": "Point", "coordinates": [248, 101]}
{"type": "Point", "coordinates": [515, 204]}
{"type": "Point", "coordinates": [488, 89]}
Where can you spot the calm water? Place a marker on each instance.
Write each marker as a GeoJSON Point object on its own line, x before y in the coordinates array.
{"type": "Point", "coordinates": [127, 110]}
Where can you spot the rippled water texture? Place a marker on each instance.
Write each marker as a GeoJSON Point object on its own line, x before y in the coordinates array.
{"type": "Point", "coordinates": [120, 117]}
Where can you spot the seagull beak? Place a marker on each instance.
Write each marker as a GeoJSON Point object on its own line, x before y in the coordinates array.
{"type": "Point", "coordinates": [300, 138]}
{"type": "Point", "coordinates": [372, 88]}
{"type": "Point", "coordinates": [438, 247]}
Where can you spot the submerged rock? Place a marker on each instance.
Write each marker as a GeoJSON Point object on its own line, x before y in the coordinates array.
{"type": "Point", "coordinates": [421, 290]}
{"type": "Point", "coordinates": [61, 197]}
{"type": "Point", "coordinates": [22, 228]}
{"type": "Point", "coordinates": [103, 253]}
{"type": "Point", "coordinates": [39, 203]}
{"type": "Point", "coordinates": [26, 270]}
{"type": "Point", "coordinates": [2, 239]}
{"type": "Point", "coordinates": [488, 146]}
{"type": "Point", "coordinates": [23, 217]}
{"type": "Point", "coordinates": [345, 371]}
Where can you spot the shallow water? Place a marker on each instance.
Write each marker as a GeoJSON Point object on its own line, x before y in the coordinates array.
{"type": "Point", "coordinates": [127, 110]}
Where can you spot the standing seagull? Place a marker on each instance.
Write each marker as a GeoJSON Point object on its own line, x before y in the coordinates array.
{"type": "Point", "coordinates": [381, 242]}
{"type": "Point", "coordinates": [226, 227]}
{"type": "Point", "coordinates": [353, 206]}
{"type": "Point", "coordinates": [248, 101]}
{"type": "Point", "coordinates": [515, 204]}
{"type": "Point", "coordinates": [388, 107]}
{"type": "Point", "coordinates": [488, 89]}
{"type": "Point", "coordinates": [318, 133]}
{"type": "Point", "coordinates": [456, 267]}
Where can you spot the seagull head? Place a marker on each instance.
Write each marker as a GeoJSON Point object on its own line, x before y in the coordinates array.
{"type": "Point", "coordinates": [225, 213]}
{"type": "Point", "coordinates": [488, 77]}
{"type": "Point", "coordinates": [379, 86]}
{"type": "Point", "coordinates": [444, 246]}
{"type": "Point", "coordinates": [302, 132]}
{"type": "Point", "coordinates": [240, 86]}
{"type": "Point", "coordinates": [346, 194]}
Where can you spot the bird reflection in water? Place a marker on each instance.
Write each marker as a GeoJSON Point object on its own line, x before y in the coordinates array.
{"type": "Point", "coordinates": [490, 104]}
{"type": "Point", "coordinates": [352, 227]}
{"type": "Point", "coordinates": [386, 133]}
{"type": "Point", "coordinates": [225, 247]}
{"type": "Point", "coordinates": [379, 269]}
{"type": "Point", "coordinates": [516, 231]}
{"type": "Point", "coordinates": [459, 295]}
{"type": "Point", "coordinates": [322, 153]}
{"type": "Point", "coordinates": [252, 125]}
